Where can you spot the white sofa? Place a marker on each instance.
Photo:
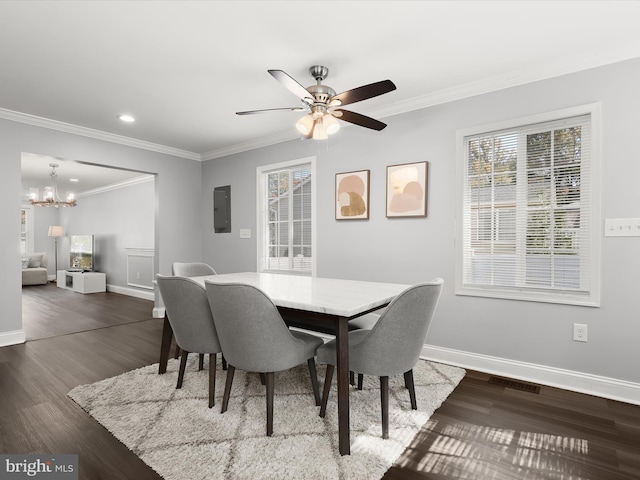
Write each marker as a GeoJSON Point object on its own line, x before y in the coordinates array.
{"type": "Point", "coordinates": [34, 269]}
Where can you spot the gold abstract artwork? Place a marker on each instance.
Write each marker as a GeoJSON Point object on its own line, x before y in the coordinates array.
{"type": "Point", "coordinates": [352, 195]}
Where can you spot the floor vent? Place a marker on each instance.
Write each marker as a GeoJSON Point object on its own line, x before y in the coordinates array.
{"type": "Point", "coordinates": [515, 384]}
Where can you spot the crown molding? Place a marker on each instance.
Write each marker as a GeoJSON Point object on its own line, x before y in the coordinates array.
{"type": "Point", "coordinates": [458, 92]}
{"type": "Point", "coordinates": [250, 145]}
{"type": "Point", "coordinates": [116, 186]}
{"type": "Point", "coordinates": [97, 134]}
{"type": "Point", "coordinates": [500, 82]}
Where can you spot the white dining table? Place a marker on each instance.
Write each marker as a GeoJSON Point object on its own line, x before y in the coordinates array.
{"type": "Point", "coordinates": [318, 301]}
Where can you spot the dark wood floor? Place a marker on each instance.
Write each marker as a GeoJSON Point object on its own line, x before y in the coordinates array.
{"type": "Point", "coordinates": [482, 431]}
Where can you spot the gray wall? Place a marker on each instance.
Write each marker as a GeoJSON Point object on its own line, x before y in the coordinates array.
{"type": "Point", "coordinates": [119, 219]}
{"type": "Point", "coordinates": [410, 250]}
{"type": "Point", "coordinates": [177, 207]}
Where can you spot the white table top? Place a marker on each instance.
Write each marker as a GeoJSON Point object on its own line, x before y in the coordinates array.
{"type": "Point", "coordinates": [345, 298]}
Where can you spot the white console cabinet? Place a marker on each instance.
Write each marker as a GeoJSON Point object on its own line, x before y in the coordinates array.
{"type": "Point", "coordinates": [82, 282]}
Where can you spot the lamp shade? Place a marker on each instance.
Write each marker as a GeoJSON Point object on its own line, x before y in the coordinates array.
{"type": "Point", "coordinates": [55, 231]}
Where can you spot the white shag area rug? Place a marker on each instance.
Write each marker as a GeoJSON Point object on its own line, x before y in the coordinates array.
{"type": "Point", "coordinates": [175, 433]}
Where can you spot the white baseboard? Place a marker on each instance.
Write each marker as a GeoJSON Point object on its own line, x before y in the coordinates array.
{"type": "Point", "coordinates": [605, 387]}
{"type": "Point", "coordinates": [158, 312]}
{"type": "Point", "coordinates": [132, 292]}
{"type": "Point", "coordinates": [12, 338]}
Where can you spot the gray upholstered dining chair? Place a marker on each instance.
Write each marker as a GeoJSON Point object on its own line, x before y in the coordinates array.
{"type": "Point", "coordinates": [189, 314]}
{"type": "Point", "coordinates": [192, 269]}
{"type": "Point", "coordinates": [391, 347]}
{"type": "Point", "coordinates": [366, 321]}
{"type": "Point", "coordinates": [255, 338]}
{"type": "Point", "coordinates": [363, 322]}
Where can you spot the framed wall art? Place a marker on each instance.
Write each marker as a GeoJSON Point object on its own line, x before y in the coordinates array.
{"type": "Point", "coordinates": [407, 190]}
{"type": "Point", "coordinates": [352, 195]}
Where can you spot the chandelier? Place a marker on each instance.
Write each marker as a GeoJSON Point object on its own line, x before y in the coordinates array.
{"type": "Point", "coordinates": [51, 196]}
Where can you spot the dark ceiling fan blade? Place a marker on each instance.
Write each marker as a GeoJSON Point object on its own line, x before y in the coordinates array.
{"type": "Point", "coordinates": [364, 92]}
{"type": "Point", "coordinates": [291, 85]}
{"type": "Point", "coordinates": [359, 119]}
{"type": "Point", "coordinates": [269, 110]}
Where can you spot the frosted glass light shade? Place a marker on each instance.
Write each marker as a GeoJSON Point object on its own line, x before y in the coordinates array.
{"type": "Point", "coordinates": [331, 125]}
{"type": "Point", "coordinates": [305, 124]}
{"type": "Point", "coordinates": [319, 132]}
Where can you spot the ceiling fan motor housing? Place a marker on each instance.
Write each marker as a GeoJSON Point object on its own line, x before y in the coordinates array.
{"type": "Point", "coordinates": [321, 93]}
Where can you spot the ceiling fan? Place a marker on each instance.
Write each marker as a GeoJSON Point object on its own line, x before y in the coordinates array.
{"type": "Point", "coordinates": [323, 106]}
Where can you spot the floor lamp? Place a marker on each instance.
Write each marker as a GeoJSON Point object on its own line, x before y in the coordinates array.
{"type": "Point", "coordinates": [56, 231]}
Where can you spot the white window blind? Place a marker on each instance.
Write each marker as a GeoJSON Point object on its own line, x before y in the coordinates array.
{"type": "Point", "coordinates": [527, 213]}
{"type": "Point", "coordinates": [286, 216]}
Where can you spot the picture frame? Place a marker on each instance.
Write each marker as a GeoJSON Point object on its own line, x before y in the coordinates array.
{"type": "Point", "coordinates": [352, 195]}
{"type": "Point", "coordinates": [407, 190]}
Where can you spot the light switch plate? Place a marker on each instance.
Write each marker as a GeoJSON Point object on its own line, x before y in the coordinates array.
{"type": "Point", "coordinates": [245, 233]}
{"type": "Point", "coordinates": [622, 227]}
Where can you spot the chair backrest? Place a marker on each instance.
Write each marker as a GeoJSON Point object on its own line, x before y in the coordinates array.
{"type": "Point", "coordinates": [394, 344]}
{"type": "Point", "coordinates": [252, 332]}
{"type": "Point", "coordinates": [189, 314]}
{"type": "Point", "coordinates": [193, 269]}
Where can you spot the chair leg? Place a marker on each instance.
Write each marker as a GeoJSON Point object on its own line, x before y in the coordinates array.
{"type": "Point", "coordinates": [384, 400]}
{"type": "Point", "coordinates": [352, 379]}
{"type": "Point", "coordinates": [212, 379]}
{"type": "Point", "coordinates": [227, 388]}
{"type": "Point", "coordinates": [325, 391]}
{"type": "Point", "coordinates": [263, 380]}
{"type": "Point", "coordinates": [176, 352]}
{"type": "Point", "coordinates": [201, 362]}
{"type": "Point", "coordinates": [183, 365]}
{"type": "Point", "coordinates": [224, 362]}
{"type": "Point", "coordinates": [408, 382]}
{"type": "Point", "coordinates": [314, 380]}
{"type": "Point", "coordinates": [360, 380]}
{"type": "Point", "coordinates": [270, 389]}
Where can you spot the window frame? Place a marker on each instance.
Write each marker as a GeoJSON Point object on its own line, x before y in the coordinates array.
{"type": "Point", "coordinates": [26, 236]}
{"type": "Point", "coordinates": [262, 213]}
{"type": "Point", "coordinates": [591, 297]}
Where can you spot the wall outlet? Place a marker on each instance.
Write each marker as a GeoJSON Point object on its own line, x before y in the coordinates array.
{"type": "Point", "coordinates": [580, 332]}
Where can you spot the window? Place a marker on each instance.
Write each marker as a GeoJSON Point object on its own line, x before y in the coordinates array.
{"type": "Point", "coordinates": [286, 217]}
{"type": "Point", "coordinates": [529, 221]}
{"type": "Point", "coordinates": [26, 229]}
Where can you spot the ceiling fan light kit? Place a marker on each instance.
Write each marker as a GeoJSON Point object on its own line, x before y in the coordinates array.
{"type": "Point", "coordinates": [322, 104]}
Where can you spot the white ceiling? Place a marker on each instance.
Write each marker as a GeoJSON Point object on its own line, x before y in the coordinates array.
{"type": "Point", "coordinates": [183, 68]}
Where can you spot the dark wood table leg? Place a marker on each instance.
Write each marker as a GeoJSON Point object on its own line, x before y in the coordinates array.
{"type": "Point", "coordinates": [165, 346]}
{"type": "Point", "coordinates": [342, 367]}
